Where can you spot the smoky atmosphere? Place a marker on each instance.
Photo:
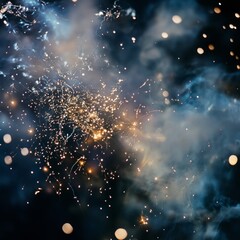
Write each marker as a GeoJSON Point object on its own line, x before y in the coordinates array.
{"type": "Point", "coordinates": [119, 120]}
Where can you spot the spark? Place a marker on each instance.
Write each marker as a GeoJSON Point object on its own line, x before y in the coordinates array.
{"type": "Point", "coordinates": [30, 130]}
{"type": "Point", "coordinates": [13, 103]}
{"type": "Point", "coordinates": [45, 169]}
{"type": "Point", "coordinates": [121, 233]}
{"type": "Point", "coordinates": [16, 10]}
{"type": "Point", "coordinates": [143, 220]}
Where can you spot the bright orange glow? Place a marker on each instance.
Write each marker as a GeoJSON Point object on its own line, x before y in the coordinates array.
{"type": "Point", "coordinates": [45, 169]}
{"type": "Point", "coordinates": [143, 220]}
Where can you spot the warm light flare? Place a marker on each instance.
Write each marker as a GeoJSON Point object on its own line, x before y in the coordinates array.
{"type": "Point", "coordinates": [143, 220]}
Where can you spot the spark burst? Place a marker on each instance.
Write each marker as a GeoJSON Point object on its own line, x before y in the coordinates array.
{"type": "Point", "coordinates": [74, 123]}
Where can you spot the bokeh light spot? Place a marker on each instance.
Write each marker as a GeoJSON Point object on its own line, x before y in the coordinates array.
{"type": "Point", "coordinates": [237, 15]}
{"type": "Point", "coordinates": [176, 19]}
{"type": "Point", "coordinates": [200, 51]}
{"type": "Point", "coordinates": [217, 10]}
{"type": "Point", "coordinates": [164, 35]}
{"type": "Point", "coordinates": [7, 138]}
{"type": "Point", "coordinates": [67, 228]}
{"type": "Point", "coordinates": [8, 160]}
{"type": "Point", "coordinates": [120, 233]}
{"type": "Point", "coordinates": [211, 47]}
{"type": "Point", "coordinates": [24, 151]}
{"type": "Point", "coordinates": [233, 159]}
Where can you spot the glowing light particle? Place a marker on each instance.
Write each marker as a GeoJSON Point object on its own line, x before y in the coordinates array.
{"type": "Point", "coordinates": [165, 93]}
{"type": "Point", "coordinates": [24, 151]}
{"type": "Point", "coordinates": [45, 169]}
{"type": "Point", "coordinates": [97, 135]}
{"type": "Point", "coordinates": [164, 35]}
{"type": "Point", "coordinates": [204, 35]}
{"type": "Point", "coordinates": [133, 39]}
{"type": "Point", "coordinates": [8, 160]}
{"type": "Point", "coordinates": [217, 10]}
{"type": "Point", "coordinates": [82, 163]}
{"type": "Point", "coordinates": [6, 23]}
{"type": "Point", "coordinates": [211, 47]}
{"type": "Point", "coordinates": [13, 103]}
{"type": "Point", "coordinates": [233, 159]}
{"type": "Point", "coordinates": [143, 220]}
{"type": "Point", "coordinates": [166, 101]}
{"type": "Point", "coordinates": [200, 51]}
{"type": "Point", "coordinates": [237, 15]}
{"type": "Point", "coordinates": [30, 130]}
{"type": "Point", "coordinates": [232, 26]}
{"type": "Point", "coordinates": [67, 228]}
{"type": "Point", "coordinates": [7, 138]}
{"type": "Point", "coordinates": [38, 191]}
{"type": "Point", "coordinates": [176, 19]}
{"type": "Point", "coordinates": [120, 233]}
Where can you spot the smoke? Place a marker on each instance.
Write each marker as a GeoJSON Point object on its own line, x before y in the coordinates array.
{"type": "Point", "coordinates": [189, 132]}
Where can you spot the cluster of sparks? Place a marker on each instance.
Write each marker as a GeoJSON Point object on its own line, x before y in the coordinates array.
{"type": "Point", "coordinates": [75, 123]}
{"type": "Point", "coordinates": [10, 8]}
{"type": "Point", "coordinates": [116, 12]}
